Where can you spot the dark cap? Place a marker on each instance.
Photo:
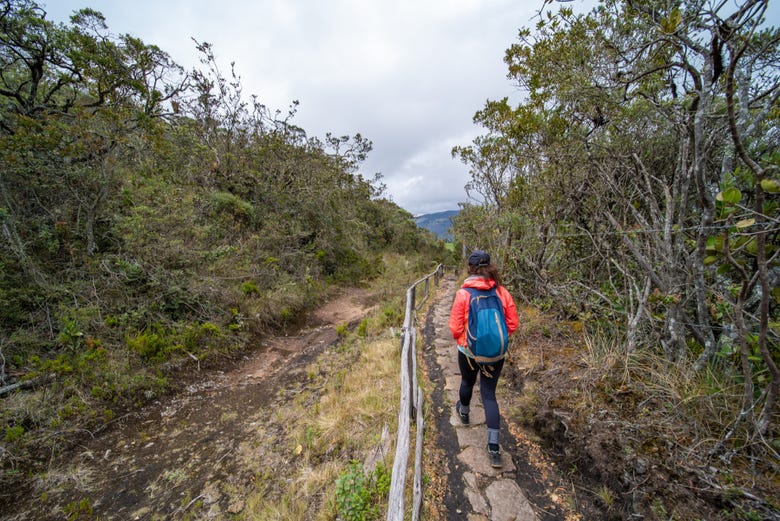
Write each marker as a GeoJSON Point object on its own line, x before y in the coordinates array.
{"type": "Point", "coordinates": [479, 258]}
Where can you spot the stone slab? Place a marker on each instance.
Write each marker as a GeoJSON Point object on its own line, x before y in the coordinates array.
{"type": "Point", "coordinates": [508, 503]}
{"type": "Point", "coordinates": [444, 352]}
{"type": "Point", "coordinates": [471, 436]}
{"type": "Point", "coordinates": [442, 342]}
{"type": "Point", "coordinates": [452, 395]}
{"type": "Point", "coordinates": [452, 382]}
{"type": "Point", "coordinates": [477, 460]}
{"type": "Point", "coordinates": [447, 364]}
{"type": "Point", "coordinates": [478, 502]}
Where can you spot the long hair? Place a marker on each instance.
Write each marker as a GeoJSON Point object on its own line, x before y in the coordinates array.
{"type": "Point", "coordinates": [488, 272]}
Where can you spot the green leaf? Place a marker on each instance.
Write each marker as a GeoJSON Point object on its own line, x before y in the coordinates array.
{"type": "Point", "coordinates": [752, 247]}
{"type": "Point", "coordinates": [670, 23]}
{"type": "Point", "coordinates": [714, 244]}
{"type": "Point", "coordinates": [771, 186]}
{"type": "Point", "coordinates": [710, 259]}
{"type": "Point", "coordinates": [729, 196]}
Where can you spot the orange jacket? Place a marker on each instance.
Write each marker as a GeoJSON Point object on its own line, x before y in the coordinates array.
{"type": "Point", "coordinates": [459, 316]}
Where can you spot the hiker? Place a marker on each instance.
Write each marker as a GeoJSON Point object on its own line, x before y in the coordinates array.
{"type": "Point", "coordinates": [482, 277]}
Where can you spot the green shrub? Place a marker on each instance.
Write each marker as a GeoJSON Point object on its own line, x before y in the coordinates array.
{"type": "Point", "coordinates": [392, 314]}
{"type": "Point", "coordinates": [342, 330]}
{"type": "Point", "coordinates": [153, 345]}
{"type": "Point", "coordinates": [70, 335]}
{"type": "Point", "coordinates": [225, 202]}
{"type": "Point", "coordinates": [362, 329]}
{"type": "Point", "coordinates": [250, 288]}
{"type": "Point", "coordinates": [13, 433]}
{"type": "Point", "coordinates": [358, 496]}
{"type": "Point", "coordinates": [75, 509]}
{"type": "Point", "coordinates": [198, 337]}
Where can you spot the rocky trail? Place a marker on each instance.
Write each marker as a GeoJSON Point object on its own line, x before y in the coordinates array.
{"type": "Point", "coordinates": [527, 487]}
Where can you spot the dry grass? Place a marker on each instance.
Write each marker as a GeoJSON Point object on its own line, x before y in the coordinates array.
{"type": "Point", "coordinates": [692, 409]}
{"type": "Point", "coordinates": [351, 396]}
{"type": "Point", "coordinates": [355, 393]}
{"type": "Point", "coordinates": [360, 399]}
{"type": "Point", "coordinates": [625, 411]}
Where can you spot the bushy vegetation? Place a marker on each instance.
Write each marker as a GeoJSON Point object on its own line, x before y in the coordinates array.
{"type": "Point", "coordinates": [635, 190]}
{"type": "Point", "coordinates": [153, 219]}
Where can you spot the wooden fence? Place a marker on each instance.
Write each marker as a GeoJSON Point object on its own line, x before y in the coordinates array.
{"type": "Point", "coordinates": [411, 406]}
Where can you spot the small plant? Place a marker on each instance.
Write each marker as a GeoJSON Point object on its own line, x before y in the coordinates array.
{"type": "Point", "coordinates": [70, 336]}
{"type": "Point", "coordinates": [606, 496]}
{"type": "Point", "coordinates": [250, 288]}
{"type": "Point", "coordinates": [658, 508]}
{"type": "Point", "coordinates": [362, 329]}
{"type": "Point", "coordinates": [358, 495]}
{"type": "Point", "coordinates": [392, 314]}
{"type": "Point", "coordinates": [342, 330]}
{"type": "Point", "coordinates": [151, 345]}
{"type": "Point", "coordinates": [382, 479]}
{"type": "Point", "coordinates": [227, 203]}
{"type": "Point", "coordinates": [75, 509]}
{"type": "Point", "coordinates": [13, 433]}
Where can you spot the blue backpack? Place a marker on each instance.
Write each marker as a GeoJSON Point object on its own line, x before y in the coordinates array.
{"type": "Point", "coordinates": [488, 338]}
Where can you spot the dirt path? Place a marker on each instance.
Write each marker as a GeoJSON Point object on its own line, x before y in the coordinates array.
{"type": "Point", "coordinates": [202, 447]}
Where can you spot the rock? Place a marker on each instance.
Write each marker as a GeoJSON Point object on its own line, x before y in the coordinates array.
{"type": "Point", "coordinates": [478, 502]}
{"type": "Point", "coordinates": [508, 503]}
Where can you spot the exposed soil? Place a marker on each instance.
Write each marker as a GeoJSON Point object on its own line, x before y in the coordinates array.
{"type": "Point", "coordinates": [202, 447]}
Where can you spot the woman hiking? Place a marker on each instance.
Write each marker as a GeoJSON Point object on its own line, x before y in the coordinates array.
{"type": "Point", "coordinates": [483, 277]}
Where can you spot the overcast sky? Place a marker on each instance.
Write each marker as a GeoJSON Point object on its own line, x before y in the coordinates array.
{"type": "Point", "coordinates": [407, 74]}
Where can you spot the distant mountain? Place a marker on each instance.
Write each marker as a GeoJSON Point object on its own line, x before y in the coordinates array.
{"type": "Point", "coordinates": [439, 223]}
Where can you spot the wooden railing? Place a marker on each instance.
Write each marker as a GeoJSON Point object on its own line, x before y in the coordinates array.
{"type": "Point", "coordinates": [411, 406]}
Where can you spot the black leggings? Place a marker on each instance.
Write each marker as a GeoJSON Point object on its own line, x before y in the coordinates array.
{"type": "Point", "coordinates": [487, 386]}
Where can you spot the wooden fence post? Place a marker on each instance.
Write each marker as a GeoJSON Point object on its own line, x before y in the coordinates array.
{"type": "Point", "coordinates": [410, 409]}
{"type": "Point", "coordinates": [395, 505]}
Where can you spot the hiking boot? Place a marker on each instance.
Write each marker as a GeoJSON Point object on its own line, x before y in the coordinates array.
{"type": "Point", "coordinates": [464, 416]}
{"type": "Point", "coordinates": [494, 453]}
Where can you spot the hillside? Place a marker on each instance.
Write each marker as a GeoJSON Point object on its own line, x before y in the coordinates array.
{"type": "Point", "coordinates": [155, 224]}
{"type": "Point", "coordinates": [439, 223]}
